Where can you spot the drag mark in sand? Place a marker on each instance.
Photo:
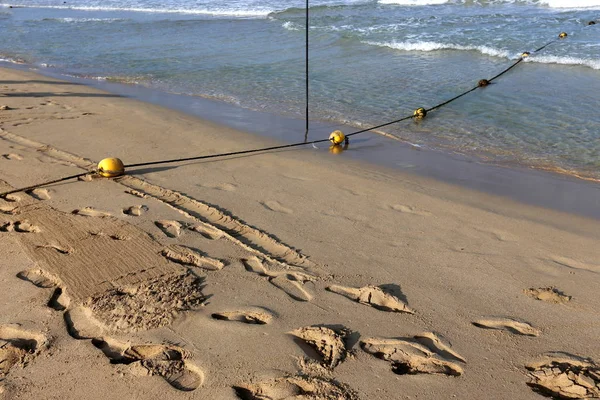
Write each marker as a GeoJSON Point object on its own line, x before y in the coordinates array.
{"type": "Point", "coordinates": [329, 344]}
{"type": "Point", "coordinates": [564, 376]}
{"type": "Point", "coordinates": [234, 229]}
{"type": "Point", "coordinates": [168, 361]}
{"type": "Point", "coordinates": [296, 387]}
{"type": "Point", "coordinates": [261, 317]}
{"type": "Point", "coordinates": [290, 281]}
{"type": "Point", "coordinates": [91, 212]}
{"type": "Point", "coordinates": [373, 296]}
{"type": "Point", "coordinates": [18, 346]}
{"type": "Point", "coordinates": [548, 294]}
{"type": "Point", "coordinates": [186, 256]}
{"type": "Point", "coordinates": [421, 354]}
{"type": "Point", "coordinates": [171, 229]}
{"type": "Point", "coordinates": [509, 325]}
{"type": "Point", "coordinates": [135, 211]}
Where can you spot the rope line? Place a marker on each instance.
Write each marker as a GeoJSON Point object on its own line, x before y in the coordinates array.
{"type": "Point", "coordinates": [28, 188]}
{"type": "Point", "coordinates": [279, 147]}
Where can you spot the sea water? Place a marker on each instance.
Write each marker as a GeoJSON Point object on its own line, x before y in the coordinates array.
{"type": "Point", "coordinates": [370, 62]}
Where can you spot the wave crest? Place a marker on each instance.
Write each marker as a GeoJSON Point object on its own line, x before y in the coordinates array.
{"type": "Point", "coordinates": [434, 46]}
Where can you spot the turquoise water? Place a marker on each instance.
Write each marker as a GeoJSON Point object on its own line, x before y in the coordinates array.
{"type": "Point", "coordinates": [370, 62]}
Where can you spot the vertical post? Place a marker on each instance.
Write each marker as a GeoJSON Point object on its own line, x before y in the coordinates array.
{"type": "Point", "coordinates": [306, 74]}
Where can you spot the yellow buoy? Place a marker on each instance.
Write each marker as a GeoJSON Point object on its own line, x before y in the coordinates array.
{"type": "Point", "coordinates": [111, 167]}
{"type": "Point", "coordinates": [337, 137]}
{"type": "Point", "coordinates": [525, 54]}
{"type": "Point", "coordinates": [420, 113]}
{"type": "Point", "coordinates": [562, 35]}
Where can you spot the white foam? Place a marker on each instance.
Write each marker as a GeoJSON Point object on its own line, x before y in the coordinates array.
{"type": "Point", "coordinates": [594, 64]}
{"type": "Point", "coordinates": [433, 46]}
{"type": "Point", "coordinates": [218, 12]}
{"type": "Point", "coordinates": [290, 26]}
{"type": "Point", "coordinates": [571, 3]}
{"type": "Point", "coordinates": [80, 20]}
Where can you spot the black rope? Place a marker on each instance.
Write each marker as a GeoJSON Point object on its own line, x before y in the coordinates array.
{"type": "Point", "coordinates": [285, 146]}
{"type": "Point", "coordinates": [25, 189]}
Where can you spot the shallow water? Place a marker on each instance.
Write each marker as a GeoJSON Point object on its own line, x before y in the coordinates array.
{"type": "Point", "coordinates": [370, 62]}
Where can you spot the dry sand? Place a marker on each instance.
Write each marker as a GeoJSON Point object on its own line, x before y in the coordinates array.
{"type": "Point", "coordinates": [292, 274]}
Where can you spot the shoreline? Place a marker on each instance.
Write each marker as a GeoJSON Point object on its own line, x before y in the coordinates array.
{"type": "Point", "coordinates": [219, 279]}
{"type": "Point", "coordinates": [532, 186]}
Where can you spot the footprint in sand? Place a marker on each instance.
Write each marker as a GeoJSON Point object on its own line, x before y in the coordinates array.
{"type": "Point", "coordinates": [226, 187]}
{"type": "Point", "coordinates": [61, 250]}
{"type": "Point", "coordinates": [329, 344]}
{"type": "Point", "coordinates": [81, 323]}
{"type": "Point", "coordinates": [39, 194]}
{"type": "Point", "coordinates": [135, 211]}
{"type": "Point", "coordinates": [170, 228]}
{"type": "Point", "coordinates": [296, 387]}
{"type": "Point", "coordinates": [59, 301]}
{"type": "Point", "coordinates": [549, 294]}
{"type": "Point", "coordinates": [11, 198]}
{"type": "Point", "coordinates": [373, 296]}
{"type": "Point", "coordinates": [18, 346]}
{"type": "Point", "coordinates": [574, 264]}
{"type": "Point", "coordinates": [564, 376]}
{"type": "Point", "coordinates": [276, 206]}
{"type": "Point", "coordinates": [508, 324]}
{"type": "Point", "coordinates": [410, 210]}
{"type": "Point", "coordinates": [291, 282]}
{"type": "Point", "coordinates": [6, 209]}
{"type": "Point", "coordinates": [114, 236]}
{"type": "Point", "coordinates": [209, 232]}
{"type": "Point", "coordinates": [12, 156]}
{"type": "Point", "coordinates": [91, 212]}
{"type": "Point", "coordinates": [187, 256]}
{"type": "Point", "coordinates": [19, 227]}
{"type": "Point", "coordinates": [261, 317]}
{"type": "Point", "coordinates": [421, 354]}
{"type": "Point", "coordinates": [499, 235]}
{"type": "Point", "coordinates": [169, 361]}
{"type": "Point", "coordinates": [39, 278]}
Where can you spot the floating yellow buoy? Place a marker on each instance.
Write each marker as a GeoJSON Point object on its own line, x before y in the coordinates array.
{"type": "Point", "coordinates": [562, 35]}
{"type": "Point", "coordinates": [483, 83]}
{"type": "Point", "coordinates": [525, 54]}
{"type": "Point", "coordinates": [420, 113]}
{"type": "Point", "coordinates": [337, 137]}
{"type": "Point", "coordinates": [111, 167]}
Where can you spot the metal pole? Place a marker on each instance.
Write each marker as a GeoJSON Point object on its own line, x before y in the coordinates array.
{"type": "Point", "coordinates": [306, 77]}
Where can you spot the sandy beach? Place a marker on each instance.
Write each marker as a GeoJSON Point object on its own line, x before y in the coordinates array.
{"type": "Point", "coordinates": [289, 274]}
